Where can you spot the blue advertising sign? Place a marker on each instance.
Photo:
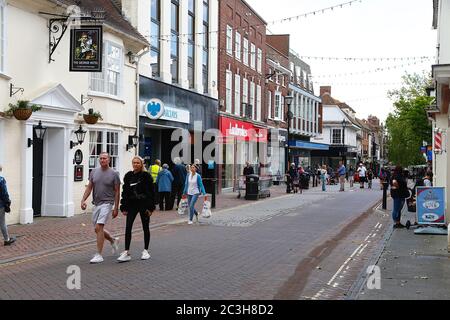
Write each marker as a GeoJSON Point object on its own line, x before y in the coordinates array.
{"type": "Point", "coordinates": [423, 149]}
{"type": "Point", "coordinates": [430, 206]}
{"type": "Point", "coordinates": [430, 155]}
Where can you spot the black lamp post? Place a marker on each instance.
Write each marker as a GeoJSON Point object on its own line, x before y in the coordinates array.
{"type": "Point", "coordinates": [290, 115]}
{"type": "Point", "coordinates": [40, 133]}
{"type": "Point", "coordinates": [344, 157]}
{"type": "Point", "coordinates": [81, 134]}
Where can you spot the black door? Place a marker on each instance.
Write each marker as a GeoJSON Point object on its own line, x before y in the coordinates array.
{"type": "Point", "coordinates": [38, 155]}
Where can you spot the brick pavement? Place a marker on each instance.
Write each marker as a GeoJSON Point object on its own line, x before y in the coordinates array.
{"type": "Point", "coordinates": [48, 234]}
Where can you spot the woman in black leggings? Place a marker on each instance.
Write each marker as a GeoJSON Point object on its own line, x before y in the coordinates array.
{"type": "Point", "coordinates": [138, 196]}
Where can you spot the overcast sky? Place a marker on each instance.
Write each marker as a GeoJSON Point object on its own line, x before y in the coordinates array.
{"type": "Point", "coordinates": [370, 28]}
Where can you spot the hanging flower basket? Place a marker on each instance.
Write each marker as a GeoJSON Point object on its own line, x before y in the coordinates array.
{"type": "Point", "coordinates": [92, 117]}
{"type": "Point", "coordinates": [22, 110]}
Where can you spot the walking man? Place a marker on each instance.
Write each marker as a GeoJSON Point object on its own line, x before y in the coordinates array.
{"type": "Point", "coordinates": [104, 182]}
{"type": "Point", "coordinates": [248, 170]}
{"type": "Point", "coordinates": [164, 184]}
{"type": "Point", "coordinates": [5, 204]}
{"type": "Point", "coordinates": [342, 172]}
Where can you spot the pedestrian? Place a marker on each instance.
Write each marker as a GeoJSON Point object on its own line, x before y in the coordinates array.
{"type": "Point", "coordinates": [369, 178]}
{"type": "Point", "coordinates": [193, 187]}
{"type": "Point", "coordinates": [138, 196]}
{"type": "Point", "coordinates": [179, 177]}
{"type": "Point", "coordinates": [164, 183]}
{"type": "Point", "coordinates": [293, 178]}
{"type": "Point", "coordinates": [104, 183]}
{"type": "Point", "coordinates": [362, 171]}
{"type": "Point", "coordinates": [399, 192]}
{"type": "Point", "coordinates": [342, 171]}
{"type": "Point", "coordinates": [248, 169]}
{"type": "Point", "coordinates": [323, 176]}
{"type": "Point", "coordinates": [5, 207]}
{"type": "Point", "coordinates": [427, 181]}
{"type": "Point", "coordinates": [351, 173]}
{"type": "Point", "coordinates": [154, 171]}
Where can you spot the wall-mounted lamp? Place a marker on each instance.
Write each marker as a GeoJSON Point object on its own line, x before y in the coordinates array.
{"type": "Point", "coordinates": [132, 58]}
{"type": "Point", "coordinates": [40, 133]}
{"type": "Point", "coordinates": [133, 141]}
{"type": "Point", "coordinates": [81, 134]}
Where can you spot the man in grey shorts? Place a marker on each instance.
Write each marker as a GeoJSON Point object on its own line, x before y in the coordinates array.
{"type": "Point", "coordinates": [105, 184]}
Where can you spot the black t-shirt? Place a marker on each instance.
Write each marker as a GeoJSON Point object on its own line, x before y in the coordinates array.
{"type": "Point", "coordinates": [138, 191]}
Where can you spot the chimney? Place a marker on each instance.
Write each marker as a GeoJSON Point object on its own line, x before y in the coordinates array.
{"type": "Point", "coordinates": [325, 89]}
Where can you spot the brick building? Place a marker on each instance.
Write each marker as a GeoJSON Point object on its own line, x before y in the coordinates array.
{"type": "Point", "coordinates": [241, 83]}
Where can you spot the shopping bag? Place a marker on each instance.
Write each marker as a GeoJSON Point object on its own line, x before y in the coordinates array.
{"type": "Point", "coordinates": [183, 207]}
{"type": "Point", "coordinates": [206, 212]}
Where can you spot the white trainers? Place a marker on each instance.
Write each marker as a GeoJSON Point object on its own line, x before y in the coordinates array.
{"type": "Point", "coordinates": [190, 222]}
{"type": "Point", "coordinates": [97, 259]}
{"type": "Point", "coordinates": [145, 255]}
{"type": "Point", "coordinates": [115, 246]}
{"type": "Point", "coordinates": [124, 257]}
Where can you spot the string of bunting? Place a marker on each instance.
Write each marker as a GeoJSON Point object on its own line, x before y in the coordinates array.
{"type": "Point", "coordinates": [366, 59]}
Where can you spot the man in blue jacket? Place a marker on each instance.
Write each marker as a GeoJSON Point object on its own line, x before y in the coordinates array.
{"type": "Point", "coordinates": [164, 183]}
{"type": "Point", "coordinates": [5, 204]}
{"type": "Point", "coordinates": [179, 174]}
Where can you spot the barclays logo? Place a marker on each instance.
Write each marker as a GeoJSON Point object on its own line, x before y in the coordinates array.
{"type": "Point", "coordinates": [154, 109]}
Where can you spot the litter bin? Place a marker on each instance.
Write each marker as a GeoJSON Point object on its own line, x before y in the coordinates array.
{"type": "Point", "coordinates": [304, 181]}
{"type": "Point", "coordinates": [252, 187]}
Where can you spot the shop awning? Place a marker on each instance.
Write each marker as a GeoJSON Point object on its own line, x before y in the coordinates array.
{"type": "Point", "coordinates": [308, 145]}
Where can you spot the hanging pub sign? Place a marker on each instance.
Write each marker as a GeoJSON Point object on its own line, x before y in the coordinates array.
{"type": "Point", "coordinates": [86, 47]}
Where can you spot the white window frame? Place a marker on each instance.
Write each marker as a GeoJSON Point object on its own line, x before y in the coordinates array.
{"type": "Point", "coordinates": [252, 56]}
{"type": "Point", "coordinates": [104, 144]}
{"type": "Point", "coordinates": [103, 76]}
{"type": "Point", "coordinates": [229, 91]}
{"type": "Point", "coordinates": [229, 40]}
{"type": "Point", "coordinates": [269, 104]}
{"type": "Point", "coordinates": [252, 99]}
{"type": "Point", "coordinates": [3, 39]}
{"type": "Point", "coordinates": [277, 105]}
{"type": "Point", "coordinates": [245, 52]}
{"type": "Point", "coordinates": [245, 91]}
{"type": "Point", "coordinates": [238, 46]}
{"type": "Point", "coordinates": [298, 72]}
{"type": "Point", "coordinates": [258, 103]}
{"type": "Point", "coordinates": [259, 61]}
{"type": "Point", "coordinates": [237, 95]}
{"type": "Point", "coordinates": [333, 130]}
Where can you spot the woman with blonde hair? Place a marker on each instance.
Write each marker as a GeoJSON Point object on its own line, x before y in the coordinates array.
{"type": "Point", "coordinates": [138, 196]}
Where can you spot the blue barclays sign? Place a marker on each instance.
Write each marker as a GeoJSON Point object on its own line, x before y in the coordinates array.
{"type": "Point", "coordinates": [308, 145]}
{"type": "Point", "coordinates": [155, 109]}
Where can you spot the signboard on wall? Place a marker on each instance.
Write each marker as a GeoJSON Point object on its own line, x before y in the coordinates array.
{"type": "Point", "coordinates": [78, 173]}
{"type": "Point", "coordinates": [86, 47]}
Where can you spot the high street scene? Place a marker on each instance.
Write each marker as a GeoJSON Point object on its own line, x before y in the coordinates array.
{"type": "Point", "coordinates": [224, 150]}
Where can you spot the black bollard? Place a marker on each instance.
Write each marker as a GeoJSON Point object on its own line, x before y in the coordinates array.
{"type": "Point", "coordinates": [385, 187]}
{"type": "Point", "coordinates": [213, 200]}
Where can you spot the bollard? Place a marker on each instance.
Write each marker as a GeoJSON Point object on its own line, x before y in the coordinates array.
{"type": "Point", "coordinates": [385, 187]}
{"type": "Point", "coordinates": [213, 200]}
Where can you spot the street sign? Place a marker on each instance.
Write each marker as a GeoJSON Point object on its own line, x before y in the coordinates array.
{"type": "Point", "coordinates": [430, 206]}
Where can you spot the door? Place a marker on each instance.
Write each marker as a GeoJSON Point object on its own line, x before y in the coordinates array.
{"type": "Point", "coordinates": [38, 156]}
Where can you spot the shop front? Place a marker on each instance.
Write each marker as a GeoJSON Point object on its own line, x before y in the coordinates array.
{"type": "Point", "coordinates": [241, 142]}
{"type": "Point", "coordinates": [277, 154]}
{"type": "Point", "coordinates": [301, 152]}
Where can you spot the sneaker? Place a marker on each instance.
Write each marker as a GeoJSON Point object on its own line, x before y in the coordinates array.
{"type": "Point", "coordinates": [10, 241]}
{"type": "Point", "coordinates": [399, 226]}
{"type": "Point", "coordinates": [124, 257]}
{"type": "Point", "coordinates": [145, 255]}
{"type": "Point", "coordinates": [115, 246]}
{"type": "Point", "coordinates": [190, 222]}
{"type": "Point", "coordinates": [97, 259]}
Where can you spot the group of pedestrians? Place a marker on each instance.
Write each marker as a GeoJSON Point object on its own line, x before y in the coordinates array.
{"type": "Point", "coordinates": [138, 197]}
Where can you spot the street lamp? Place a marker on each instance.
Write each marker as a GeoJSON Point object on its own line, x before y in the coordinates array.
{"type": "Point", "coordinates": [133, 141]}
{"type": "Point", "coordinates": [39, 130]}
{"type": "Point", "coordinates": [290, 115]}
{"type": "Point", "coordinates": [344, 126]}
{"type": "Point", "coordinates": [81, 134]}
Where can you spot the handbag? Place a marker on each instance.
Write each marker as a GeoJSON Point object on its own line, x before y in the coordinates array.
{"type": "Point", "coordinates": [206, 212]}
{"type": "Point", "coordinates": [182, 208]}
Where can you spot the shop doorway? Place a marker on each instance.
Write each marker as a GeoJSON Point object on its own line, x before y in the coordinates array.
{"type": "Point", "coordinates": [38, 160]}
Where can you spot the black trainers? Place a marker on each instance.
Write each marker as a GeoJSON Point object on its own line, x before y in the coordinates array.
{"type": "Point", "coordinates": [10, 241]}
{"type": "Point", "coordinates": [399, 226]}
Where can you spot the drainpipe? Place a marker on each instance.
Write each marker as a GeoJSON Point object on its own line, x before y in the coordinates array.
{"type": "Point", "coordinates": [137, 60]}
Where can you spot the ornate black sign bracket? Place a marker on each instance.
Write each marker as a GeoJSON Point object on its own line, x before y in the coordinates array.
{"type": "Point", "coordinates": [57, 27]}
{"type": "Point", "coordinates": [13, 90]}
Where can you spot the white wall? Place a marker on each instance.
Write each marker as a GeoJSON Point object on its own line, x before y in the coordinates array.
{"type": "Point", "coordinates": [444, 32]}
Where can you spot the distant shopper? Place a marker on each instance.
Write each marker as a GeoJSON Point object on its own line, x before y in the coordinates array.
{"type": "Point", "coordinates": [137, 197]}
{"type": "Point", "coordinates": [179, 173]}
{"type": "Point", "coordinates": [104, 182]}
{"type": "Point", "coordinates": [351, 178]}
{"type": "Point", "coordinates": [362, 171]}
{"type": "Point", "coordinates": [248, 170]}
{"type": "Point", "coordinates": [399, 192]}
{"type": "Point", "coordinates": [5, 207]}
{"type": "Point", "coordinates": [154, 170]}
{"type": "Point", "coordinates": [427, 181]}
{"type": "Point", "coordinates": [342, 171]}
{"type": "Point", "coordinates": [369, 178]}
{"type": "Point", "coordinates": [323, 177]}
{"type": "Point", "coordinates": [164, 183]}
{"type": "Point", "coordinates": [192, 189]}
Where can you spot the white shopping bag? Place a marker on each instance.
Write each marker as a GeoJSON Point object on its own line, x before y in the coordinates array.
{"type": "Point", "coordinates": [206, 212]}
{"type": "Point", "coordinates": [183, 207]}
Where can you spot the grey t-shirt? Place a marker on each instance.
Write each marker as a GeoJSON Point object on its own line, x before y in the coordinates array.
{"type": "Point", "coordinates": [104, 182]}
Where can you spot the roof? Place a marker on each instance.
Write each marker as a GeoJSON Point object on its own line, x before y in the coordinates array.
{"type": "Point", "coordinates": [343, 105]}
{"type": "Point", "coordinates": [327, 99]}
{"type": "Point", "coordinates": [363, 124]}
{"type": "Point", "coordinates": [113, 16]}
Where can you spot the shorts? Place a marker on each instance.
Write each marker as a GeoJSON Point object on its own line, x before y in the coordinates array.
{"type": "Point", "coordinates": [101, 214]}
{"type": "Point", "coordinates": [362, 179]}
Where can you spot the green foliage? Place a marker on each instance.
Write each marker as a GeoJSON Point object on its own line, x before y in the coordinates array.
{"type": "Point", "coordinates": [408, 126]}
{"type": "Point", "coordinates": [97, 114]}
{"type": "Point", "coordinates": [21, 104]}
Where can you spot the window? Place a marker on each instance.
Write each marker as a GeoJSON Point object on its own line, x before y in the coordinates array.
{"type": "Point", "coordinates": [2, 37]}
{"type": "Point", "coordinates": [336, 136]}
{"type": "Point", "coordinates": [271, 75]}
{"type": "Point", "coordinates": [155, 35]}
{"type": "Point", "coordinates": [278, 106]}
{"type": "Point", "coordinates": [103, 141]}
{"type": "Point", "coordinates": [109, 81]}
{"type": "Point", "coordinates": [259, 61]}
{"type": "Point", "coordinates": [191, 43]}
{"type": "Point", "coordinates": [298, 73]}
{"type": "Point", "coordinates": [252, 56]}
{"type": "Point", "coordinates": [292, 67]}
{"type": "Point", "coordinates": [245, 53]}
{"type": "Point", "coordinates": [205, 60]}
{"type": "Point", "coordinates": [269, 104]}
{"type": "Point", "coordinates": [237, 95]}
{"type": "Point", "coordinates": [174, 43]}
{"type": "Point", "coordinates": [252, 99]}
{"type": "Point", "coordinates": [238, 46]}
{"type": "Point", "coordinates": [258, 103]}
{"type": "Point", "coordinates": [229, 40]}
{"type": "Point", "coordinates": [229, 91]}
{"type": "Point", "coordinates": [245, 91]}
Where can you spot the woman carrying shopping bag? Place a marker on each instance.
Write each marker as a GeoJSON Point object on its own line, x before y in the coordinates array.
{"type": "Point", "coordinates": [193, 188]}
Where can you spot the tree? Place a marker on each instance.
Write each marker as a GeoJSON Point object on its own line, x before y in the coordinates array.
{"type": "Point", "coordinates": [408, 126]}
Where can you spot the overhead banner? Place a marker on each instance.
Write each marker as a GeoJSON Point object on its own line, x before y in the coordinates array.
{"type": "Point", "coordinates": [86, 47]}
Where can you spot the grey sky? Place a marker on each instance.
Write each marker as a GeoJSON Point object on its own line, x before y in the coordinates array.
{"type": "Point", "coordinates": [370, 28]}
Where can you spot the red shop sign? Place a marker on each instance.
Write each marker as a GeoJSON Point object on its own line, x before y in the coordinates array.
{"type": "Point", "coordinates": [242, 131]}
